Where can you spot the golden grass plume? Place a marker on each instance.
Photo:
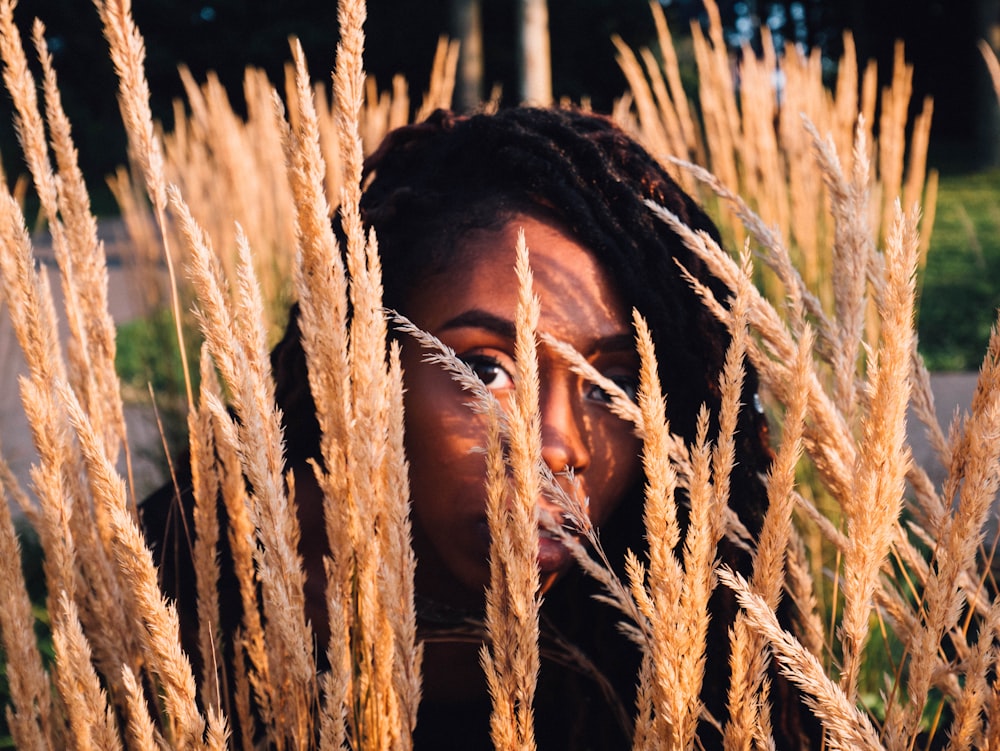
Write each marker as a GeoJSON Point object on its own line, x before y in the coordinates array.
{"type": "Point", "coordinates": [908, 553]}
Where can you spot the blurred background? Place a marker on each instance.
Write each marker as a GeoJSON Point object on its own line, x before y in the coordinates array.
{"type": "Point", "coordinates": [227, 35]}
{"type": "Point", "coordinates": [961, 281]}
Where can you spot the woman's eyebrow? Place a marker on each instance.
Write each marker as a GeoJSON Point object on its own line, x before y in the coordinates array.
{"type": "Point", "coordinates": [477, 318]}
{"type": "Point", "coordinates": [480, 319]}
{"type": "Point", "coordinates": [624, 342]}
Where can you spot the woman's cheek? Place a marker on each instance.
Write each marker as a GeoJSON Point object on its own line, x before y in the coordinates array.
{"type": "Point", "coordinates": [442, 437]}
{"type": "Point", "coordinates": [615, 470]}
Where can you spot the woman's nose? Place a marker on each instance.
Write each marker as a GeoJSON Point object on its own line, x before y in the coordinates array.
{"type": "Point", "coordinates": [564, 437]}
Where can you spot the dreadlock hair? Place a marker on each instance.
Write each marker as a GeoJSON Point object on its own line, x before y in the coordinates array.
{"type": "Point", "coordinates": [431, 183]}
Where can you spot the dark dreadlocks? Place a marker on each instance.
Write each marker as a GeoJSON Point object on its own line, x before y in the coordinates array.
{"type": "Point", "coordinates": [430, 184]}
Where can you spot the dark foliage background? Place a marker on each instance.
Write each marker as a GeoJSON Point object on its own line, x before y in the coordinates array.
{"type": "Point", "coordinates": [961, 283]}
{"type": "Point", "coordinates": [227, 35]}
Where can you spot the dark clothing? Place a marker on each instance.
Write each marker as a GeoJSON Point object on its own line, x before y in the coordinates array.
{"type": "Point", "coordinates": [586, 689]}
{"type": "Point", "coordinates": [572, 708]}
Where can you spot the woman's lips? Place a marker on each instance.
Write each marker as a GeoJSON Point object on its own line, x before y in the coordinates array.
{"type": "Point", "coordinates": [553, 555]}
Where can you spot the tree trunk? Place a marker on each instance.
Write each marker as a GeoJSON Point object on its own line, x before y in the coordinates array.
{"type": "Point", "coordinates": [535, 60]}
{"type": "Point", "coordinates": [467, 27]}
{"type": "Point", "coordinates": [988, 27]}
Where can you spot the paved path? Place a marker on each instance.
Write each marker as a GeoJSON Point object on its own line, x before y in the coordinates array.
{"type": "Point", "coordinates": [15, 438]}
{"type": "Point", "coordinates": [952, 391]}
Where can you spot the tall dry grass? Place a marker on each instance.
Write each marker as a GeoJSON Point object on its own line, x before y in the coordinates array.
{"type": "Point", "coordinates": [745, 124]}
{"type": "Point", "coordinates": [232, 167]}
{"type": "Point", "coordinates": [910, 553]}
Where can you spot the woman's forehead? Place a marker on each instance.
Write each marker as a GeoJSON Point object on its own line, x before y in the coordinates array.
{"type": "Point", "coordinates": [576, 292]}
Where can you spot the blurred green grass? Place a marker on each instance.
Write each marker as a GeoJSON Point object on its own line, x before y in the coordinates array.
{"type": "Point", "coordinates": [960, 285]}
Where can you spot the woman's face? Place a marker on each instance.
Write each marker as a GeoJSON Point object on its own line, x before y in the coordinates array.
{"type": "Point", "coordinates": [471, 307]}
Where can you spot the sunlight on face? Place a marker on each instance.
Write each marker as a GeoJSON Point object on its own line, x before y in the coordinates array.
{"type": "Point", "coordinates": [471, 308]}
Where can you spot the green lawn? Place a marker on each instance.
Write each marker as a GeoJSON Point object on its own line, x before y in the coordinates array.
{"type": "Point", "coordinates": [961, 283]}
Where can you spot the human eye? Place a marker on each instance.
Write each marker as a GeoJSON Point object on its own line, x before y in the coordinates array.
{"type": "Point", "coordinates": [490, 370]}
{"type": "Point", "coordinates": [626, 382]}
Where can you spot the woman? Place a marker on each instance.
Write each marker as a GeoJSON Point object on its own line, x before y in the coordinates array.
{"type": "Point", "coordinates": [446, 198]}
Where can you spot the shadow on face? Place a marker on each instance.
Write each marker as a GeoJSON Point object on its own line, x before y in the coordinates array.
{"type": "Point", "coordinates": [471, 307]}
